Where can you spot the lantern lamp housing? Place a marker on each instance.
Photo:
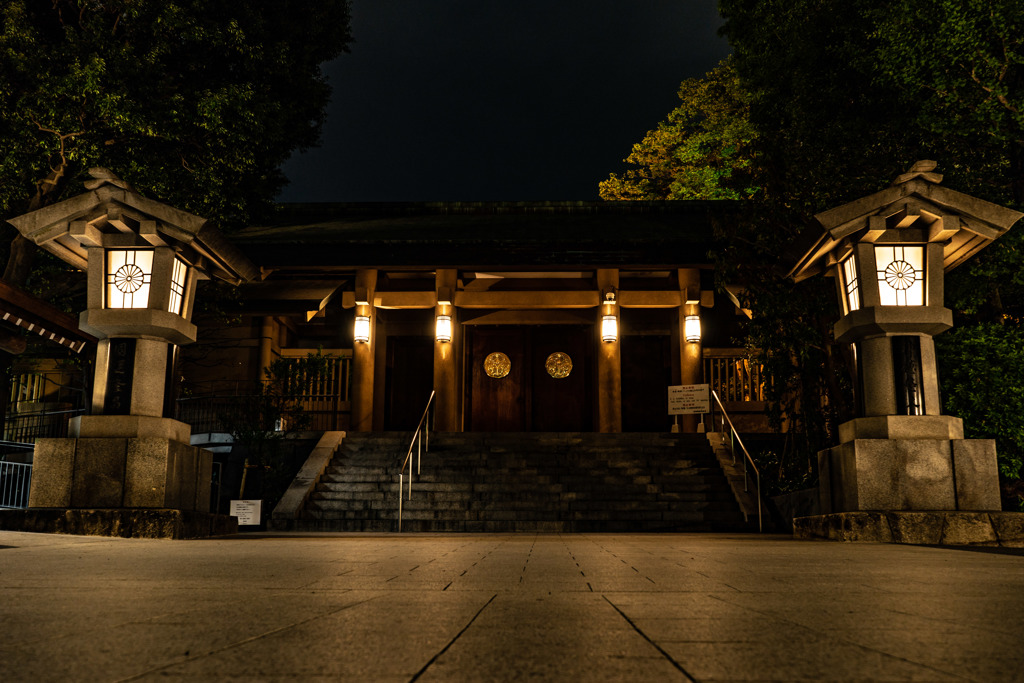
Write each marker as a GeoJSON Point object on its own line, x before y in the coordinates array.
{"type": "Point", "coordinates": [361, 332]}
{"type": "Point", "coordinates": [443, 328]}
{"type": "Point", "coordinates": [691, 329]}
{"type": "Point", "coordinates": [609, 329]}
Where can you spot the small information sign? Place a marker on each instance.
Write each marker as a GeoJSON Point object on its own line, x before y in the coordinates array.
{"type": "Point", "coordinates": [247, 511]}
{"type": "Point", "coordinates": [689, 399]}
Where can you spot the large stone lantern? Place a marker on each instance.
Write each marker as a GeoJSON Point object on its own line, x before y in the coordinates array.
{"type": "Point", "coordinates": [129, 455]}
{"type": "Point", "coordinates": [888, 254]}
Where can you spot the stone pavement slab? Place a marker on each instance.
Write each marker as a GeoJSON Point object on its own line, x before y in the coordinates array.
{"type": "Point", "coordinates": [559, 607]}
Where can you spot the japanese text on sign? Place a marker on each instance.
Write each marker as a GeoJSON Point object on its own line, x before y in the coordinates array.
{"type": "Point", "coordinates": [247, 511]}
{"type": "Point", "coordinates": [689, 399]}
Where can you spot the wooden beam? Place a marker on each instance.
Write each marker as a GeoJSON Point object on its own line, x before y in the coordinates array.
{"type": "Point", "coordinates": [542, 299]}
{"type": "Point", "coordinates": [404, 300]}
{"type": "Point", "coordinates": [660, 299]}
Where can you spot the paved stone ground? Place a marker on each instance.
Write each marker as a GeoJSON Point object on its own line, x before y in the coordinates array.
{"type": "Point", "coordinates": [582, 607]}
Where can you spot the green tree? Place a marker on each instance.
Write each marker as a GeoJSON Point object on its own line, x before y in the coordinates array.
{"type": "Point", "coordinates": [844, 96]}
{"type": "Point", "coordinates": [701, 151]}
{"type": "Point", "coordinates": [961, 62]}
{"type": "Point", "coordinates": [195, 102]}
{"type": "Point", "coordinates": [831, 100]}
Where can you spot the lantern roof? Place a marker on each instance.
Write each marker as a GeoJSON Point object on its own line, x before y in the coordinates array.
{"type": "Point", "coordinates": [915, 203]}
{"type": "Point", "coordinates": [112, 214]}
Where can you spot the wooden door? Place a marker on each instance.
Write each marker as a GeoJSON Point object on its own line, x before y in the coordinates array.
{"type": "Point", "coordinates": [646, 375]}
{"type": "Point", "coordinates": [409, 380]}
{"type": "Point", "coordinates": [560, 404]}
{"type": "Point", "coordinates": [498, 404]}
{"type": "Point", "coordinates": [529, 397]}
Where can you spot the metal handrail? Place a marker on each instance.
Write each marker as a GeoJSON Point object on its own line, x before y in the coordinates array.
{"type": "Point", "coordinates": [735, 439]}
{"type": "Point", "coordinates": [422, 443]}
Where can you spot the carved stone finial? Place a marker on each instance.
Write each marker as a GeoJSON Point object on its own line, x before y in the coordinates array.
{"type": "Point", "coordinates": [102, 176]}
{"type": "Point", "coordinates": [921, 169]}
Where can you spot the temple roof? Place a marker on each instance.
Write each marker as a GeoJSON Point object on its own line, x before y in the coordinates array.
{"type": "Point", "coordinates": [487, 234]}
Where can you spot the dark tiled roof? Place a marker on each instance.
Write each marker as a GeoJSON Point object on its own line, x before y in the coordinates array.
{"type": "Point", "coordinates": [508, 234]}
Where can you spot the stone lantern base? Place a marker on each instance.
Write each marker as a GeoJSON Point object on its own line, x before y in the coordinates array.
{"type": "Point", "coordinates": [919, 462]}
{"type": "Point", "coordinates": [910, 479]}
{"type": "Point", "coordinates": [136, 479]}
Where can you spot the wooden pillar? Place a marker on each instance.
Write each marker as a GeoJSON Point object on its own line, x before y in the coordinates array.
{"type": "Point", "coordinates": [609, 357]}
{"type": "Point", "coordinates": [363, 354]}
{"type": "Point", "coordinates": [446, 385]}
{"type": "Point", "coordinates": [266, 346]}
{"type": "Point", "coordinates": [691, 354]}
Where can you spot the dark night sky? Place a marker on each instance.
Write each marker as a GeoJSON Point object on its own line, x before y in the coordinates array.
{"type": "Point", "coordinates": [473, 100]}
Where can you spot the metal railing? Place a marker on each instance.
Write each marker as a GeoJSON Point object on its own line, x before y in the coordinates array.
{"type": "Point", "coordinates": [748, 462]}
{"type": "Point", "coordinates": [421, 442]}
{"type": "Point", "coordinates": [15, 482]}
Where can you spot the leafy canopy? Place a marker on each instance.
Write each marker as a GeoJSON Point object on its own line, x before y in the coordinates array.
{"type": "Point", "coordinates": [703, 150]}
{"type": "Point", "coordinates": [197, 102]}
{"type": "Point", "coordinates": [829, 100]}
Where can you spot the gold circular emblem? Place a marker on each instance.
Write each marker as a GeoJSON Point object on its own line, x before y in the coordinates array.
{"type": "Point", "coordinates": [497, 365]}
{"type": "Point", "coordinates": [558, 365]}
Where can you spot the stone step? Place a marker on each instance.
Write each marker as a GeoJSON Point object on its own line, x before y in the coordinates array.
{"type": "Point", "coordinates": [559, 482]}
{"type": "Point", "coordinates": [539, 511]}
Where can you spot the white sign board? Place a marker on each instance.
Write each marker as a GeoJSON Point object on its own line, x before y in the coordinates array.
{"type": "Point", "coordinates": [689, 399]}
{"type": "Point", "coordinates": [247, 511]}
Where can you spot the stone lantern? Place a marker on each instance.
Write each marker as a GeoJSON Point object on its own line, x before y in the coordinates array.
{"type": "Point", "coordinates": [888, 254]}
{"type": "Point", "coordinates": [128, 462]}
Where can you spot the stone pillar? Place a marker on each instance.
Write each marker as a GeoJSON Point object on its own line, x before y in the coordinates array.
{"type": "Point", "coordinates": [691, 354]}
{"type": "Point", "coordinates": [609, 361]}
{"type": "Point", "coordinates": [363, 355]}
{"type": "Point", "coordinates": [446, 386]}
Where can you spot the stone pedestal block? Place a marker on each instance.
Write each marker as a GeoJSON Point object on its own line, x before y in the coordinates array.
{"type": "Point", "coordinates": [909, 474]}
{"type": "Point", "coordinates": [119, 522]}
{"type": "Point", "coordinates": [937, 527]}
{"type": "Point", "coordinates": [146, 472]}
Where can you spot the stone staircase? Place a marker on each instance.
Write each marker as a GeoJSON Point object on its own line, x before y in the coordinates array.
{"type": "Point", "coordinates": [499, 482]}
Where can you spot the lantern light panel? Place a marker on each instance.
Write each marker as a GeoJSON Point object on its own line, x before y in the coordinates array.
{"type": "Point", "coordinates": [129, 275]}
{"type": "Point", "coordinates": [900, 275]}
{"type": "Point", "coordinates": [691, 328]}
{"type": "Point", "coordinates": [851, 285]}
{"type": "Point", "coordinates": [178, 273]}
{"type": "Point", "coordinates": [361, 332]}
{"type": "Point", "coordinates": [609, 328]}
{"type": "Point", "coordinates": [443, 328]}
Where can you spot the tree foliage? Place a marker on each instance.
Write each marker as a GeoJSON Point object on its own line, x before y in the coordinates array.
{"type": "Point", "coordinates": [844, 96]}
{"type": "Point", "coordinates": [194, 102]}
{"type": "Point", "coordinates": [839, 98]}
{"type": "Point", "coordinates": [702, 150]}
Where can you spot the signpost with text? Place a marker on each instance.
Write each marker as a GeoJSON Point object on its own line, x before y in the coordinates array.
{"type": "Point", "coordinates": [689, 399]}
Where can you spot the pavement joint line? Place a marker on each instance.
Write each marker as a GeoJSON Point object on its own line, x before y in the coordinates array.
{"type": "Point", "coordinates": [838, 637]}
{"type": "Point", "coordinates": [452, 641]}
{"type": "Point", "coordinates": [244, 641]}
{"type": "Point", "coordinates": [657, 647]}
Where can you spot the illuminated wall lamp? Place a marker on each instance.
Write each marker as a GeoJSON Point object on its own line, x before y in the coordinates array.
{"type": "Point", "coordinates": [361, 333]}
{"type": "Point", "coordinates": [691, 328]}
{"type": "Point", "coordinates": [443, 329]}
{"type": "Point", "coordinates": [609, 328]}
